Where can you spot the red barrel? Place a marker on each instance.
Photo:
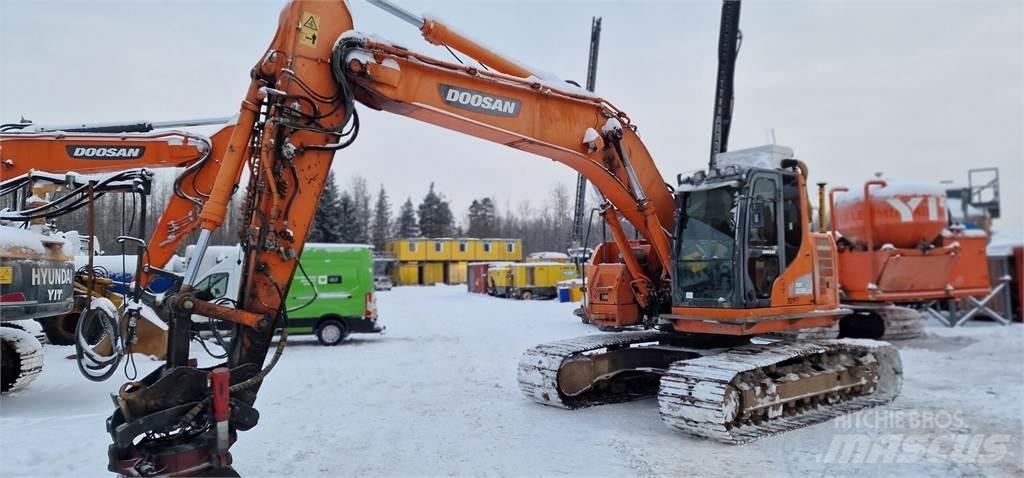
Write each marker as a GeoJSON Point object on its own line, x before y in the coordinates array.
{"type": "Point", "coordinates": [903, 213]}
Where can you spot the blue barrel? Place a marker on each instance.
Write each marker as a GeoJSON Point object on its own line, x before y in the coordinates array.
{"type": "Point", "coordinates": [563, 294]}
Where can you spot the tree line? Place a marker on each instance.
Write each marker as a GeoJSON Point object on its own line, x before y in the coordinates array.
{"type": "Point", "coordinates": [346, 216]}
{"type": "Point", "coordinates": [355, 214]}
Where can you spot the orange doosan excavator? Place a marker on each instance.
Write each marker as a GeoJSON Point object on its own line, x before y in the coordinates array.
{"type": "Point", "coordinates": [89, 160]}
{"type": "Point", "coordinates": [89, 149]}
{"type": "Point", "coordinates": [724, 256]}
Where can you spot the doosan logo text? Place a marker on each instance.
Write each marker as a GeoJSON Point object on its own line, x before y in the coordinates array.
{"type": "Point", "coordinates": [479, 102]}
{"type": "Point", "coordinates": [106, 152]}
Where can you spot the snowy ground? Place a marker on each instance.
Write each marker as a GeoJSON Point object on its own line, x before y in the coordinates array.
{"type": "Point", "coordinates": [437, 395]}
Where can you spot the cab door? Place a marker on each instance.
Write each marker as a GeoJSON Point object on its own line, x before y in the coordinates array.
{"type": "Point", "coordinates": [763, 230]}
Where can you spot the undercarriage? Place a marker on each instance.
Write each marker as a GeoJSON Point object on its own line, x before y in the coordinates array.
{"type": "Point", "coordinates": [729, 389]}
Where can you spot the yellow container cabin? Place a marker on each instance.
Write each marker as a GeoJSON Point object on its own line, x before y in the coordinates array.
{"type": "Point", "coordinates": [406, 273]}
{"type": "Point", "coordinates": [539, 280]}
{"type": "Point", "coordinates": [456, 273]}
{"type": "Point", "coordinates": [407, 249]}
{"type": "Point", "coordinates": [439, 249]}
{"type": "Point", "coordinates": [431, 273]}
{"type": "Point", "coordinates": [488, 250]}
{"type": "Point", "coordinates": [511, 249]}
{"type": "Point", "coordinates": [464, 249]}
{"type": "Point", "coordinates": [499, 280]}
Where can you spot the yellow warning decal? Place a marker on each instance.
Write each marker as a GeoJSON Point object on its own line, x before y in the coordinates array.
{"type": "Point", "coordinates": [309, 30]}
{"type": "Point", "coordinates": [6, 275]}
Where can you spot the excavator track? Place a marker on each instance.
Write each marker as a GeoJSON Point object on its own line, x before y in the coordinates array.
{"type": "Point", "coordinates": [22, 359]}
{"type": "Point", "coordinates": [882, 322]}
{"type": "Point", "coordinates": [759, 390]}
{"type": "Point", "coordinates": [901, 323]}
{"type": "Point", "coordinates": [540, 367]}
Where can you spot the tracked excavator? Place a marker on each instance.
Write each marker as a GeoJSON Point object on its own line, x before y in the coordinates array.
{"type": "Point", "coordinates": [726, 256]}
{"type": "Point", "coordinates": [84, 162]}
{"type": "Point", "coordinates": [89, 149]}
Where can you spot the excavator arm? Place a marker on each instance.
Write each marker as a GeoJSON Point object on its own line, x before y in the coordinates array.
{"type": "Point", "coordinates": [299, 110]}
{"type": "Point", "coordinates": [554, 120]}
{"type": "Point", "coordinates": [119, 148]}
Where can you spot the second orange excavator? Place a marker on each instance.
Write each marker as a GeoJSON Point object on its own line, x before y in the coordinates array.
{"type": "Point", "coordinates": [897, 249]}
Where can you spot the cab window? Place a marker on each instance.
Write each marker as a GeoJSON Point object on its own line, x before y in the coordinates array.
{"type": "Point", "coordinates": [763, 237]}
{"type": "Point", "coordinates": [792, 218]}
{"type": "Point", "coordinates": [215, 284]}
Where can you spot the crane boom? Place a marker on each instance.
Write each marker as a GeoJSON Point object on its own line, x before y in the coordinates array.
{"type": "Point", "coordinates": [729, 40]}
{"type": "Point", "coordinates": [576, 239]}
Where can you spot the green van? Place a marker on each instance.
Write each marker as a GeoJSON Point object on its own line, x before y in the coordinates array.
{"type": "Point", "coordinates": [331, 295]}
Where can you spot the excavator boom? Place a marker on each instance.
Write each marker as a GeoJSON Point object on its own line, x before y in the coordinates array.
{"type": "Point", "coordinates": [92, 149]}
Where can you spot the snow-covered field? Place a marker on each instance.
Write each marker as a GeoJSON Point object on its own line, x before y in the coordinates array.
{"type": "Point", "coordinates": [437, 395]}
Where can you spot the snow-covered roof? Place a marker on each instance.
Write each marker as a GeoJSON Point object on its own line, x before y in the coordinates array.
{"type": "Point", "coordinates": [1004, 241]}
{"type": "Point", "coordinates": [541, 264]}
{"type": "Point", "coordinates": [893, 188]}
{"type": "Point", "coordinates": [27, 240]}
{"type": "Point", "coordinates": [767, 157]}
{"type": "Point", "coordinates": [548, 255]}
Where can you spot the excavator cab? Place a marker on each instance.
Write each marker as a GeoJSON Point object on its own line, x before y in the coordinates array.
{"type": "Point", "coordinates": [744, 260]}
{"type": "Point", "coordinates": [735, 234]}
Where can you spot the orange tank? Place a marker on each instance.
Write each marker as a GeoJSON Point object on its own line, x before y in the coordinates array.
{"type": "Point", "coordinates": [902, 213]}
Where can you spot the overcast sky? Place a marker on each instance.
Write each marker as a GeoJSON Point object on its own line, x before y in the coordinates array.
{"type": "Point", "coordinates": [913, 89]}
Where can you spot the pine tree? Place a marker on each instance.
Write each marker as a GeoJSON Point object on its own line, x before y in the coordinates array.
{"type": "Point", "coordinates": [348, 223]}
{"type": "Point", "coordinates": [482, 218]}
{"type": "Point", "coordinates": [326, 225]}
{"type": "Point", "coordinates": [361, 208]}
{"type": "Point", "coordinates": [435, 215]}
{"type": "Point", "coordinates": [381, 220]}
{"type": "Point", "coordinates": [406, 225]}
